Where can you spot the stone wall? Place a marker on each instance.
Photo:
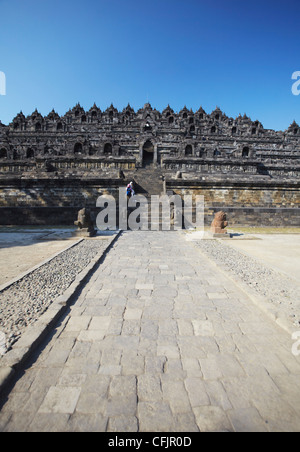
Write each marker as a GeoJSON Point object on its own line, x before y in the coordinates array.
{"type": "Point", "coordinates": [234, 169]}
{"type": "Point", "coordinates": [258, 216]}
{"type": "Point", "coordinates": [247, 204]}
{"type": "Point", "coordinates": [67, 165]}
{"type": "Point", "coordinates": [57, 201]}
{"type": "Point", "coordinates": [51, 202]}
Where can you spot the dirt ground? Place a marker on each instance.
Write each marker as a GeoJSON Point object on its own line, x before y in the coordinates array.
{"type": "Point", "coordinates": [20, 250]}
{"type": "Point", "coordinates": [280, 252]}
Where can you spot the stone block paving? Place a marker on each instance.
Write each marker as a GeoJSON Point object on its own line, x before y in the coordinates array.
{"type": "Point", "coordinates": [159, 341]}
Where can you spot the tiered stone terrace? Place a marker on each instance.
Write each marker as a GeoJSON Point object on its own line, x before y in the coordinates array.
{"type": "Point", "coordinates": [51, 166]}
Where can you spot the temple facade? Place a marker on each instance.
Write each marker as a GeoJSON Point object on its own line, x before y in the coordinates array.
{"type": "Point", "coordinates": [52, 165]}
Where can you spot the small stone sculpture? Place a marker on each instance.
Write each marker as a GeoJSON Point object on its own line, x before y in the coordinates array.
{"type": "Point", "coordinates": [85, 224]}
{"type": "Point", "coordinates": [219, 223]}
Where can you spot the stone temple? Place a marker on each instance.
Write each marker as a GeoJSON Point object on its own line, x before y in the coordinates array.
{"type": "Point", "coordinates": [52, 166]}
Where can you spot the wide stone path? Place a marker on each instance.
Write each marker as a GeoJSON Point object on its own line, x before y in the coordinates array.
{"type": "Point", "coordinates": [159, 341]}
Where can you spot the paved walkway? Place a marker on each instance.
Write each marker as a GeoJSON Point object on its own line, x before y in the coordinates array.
{"type": "Point", "coordinates": [159, 341]}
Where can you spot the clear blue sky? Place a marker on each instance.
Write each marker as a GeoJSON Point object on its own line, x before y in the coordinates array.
{"type": "Point", "coordinates": [237, 55]}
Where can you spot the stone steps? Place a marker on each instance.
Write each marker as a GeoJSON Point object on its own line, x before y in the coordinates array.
{"type": "Point", "coordinates": [148, 181]}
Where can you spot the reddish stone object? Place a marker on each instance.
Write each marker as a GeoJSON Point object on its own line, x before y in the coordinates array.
{"type": "Point", "coordinates": [219, 223]}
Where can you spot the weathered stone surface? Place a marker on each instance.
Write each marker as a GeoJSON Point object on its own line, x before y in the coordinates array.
{"type": "Point", "coordinates": [212, 419]}
{"type": "Point", "coordinates": [219, 365]}
{"type": "Point", "coordinates": [50, 166]}
{"type": "Point", "coordinates": [60, 399]}
{"type": "Point", "coordinates": [219, 223]}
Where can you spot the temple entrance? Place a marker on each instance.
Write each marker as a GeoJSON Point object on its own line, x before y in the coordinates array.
{"type": "Point", "coordinates": [148, 154]}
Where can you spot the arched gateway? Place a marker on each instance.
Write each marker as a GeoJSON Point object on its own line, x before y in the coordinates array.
{"type": "Point", "coordinates": [148, 153]}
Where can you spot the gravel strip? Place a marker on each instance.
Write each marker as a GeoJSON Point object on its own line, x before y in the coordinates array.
{"type": "Point", "coordinates": [22, 303]}
{"type": "Point", "coordinates": [277, 289]}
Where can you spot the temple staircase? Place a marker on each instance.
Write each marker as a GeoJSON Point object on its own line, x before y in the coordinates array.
{"type": "Point", "coordinates": [149, 181]}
